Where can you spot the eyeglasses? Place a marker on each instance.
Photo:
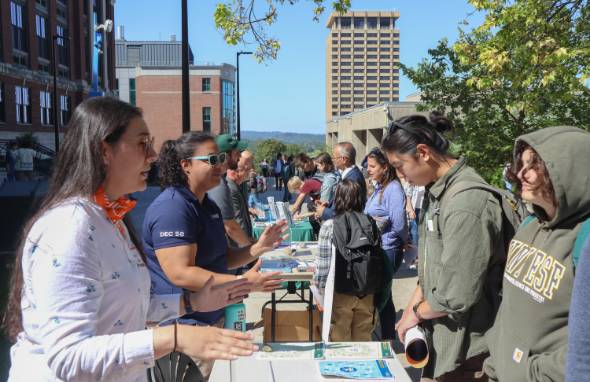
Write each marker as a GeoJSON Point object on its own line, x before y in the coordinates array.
{"type": "Point", "coordinates": [148, 144]}
{"type": "Point", "coordinates": [212, 159]}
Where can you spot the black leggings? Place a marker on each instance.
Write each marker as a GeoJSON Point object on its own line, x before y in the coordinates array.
{"type": "Point", "coordinates": [278, 181]}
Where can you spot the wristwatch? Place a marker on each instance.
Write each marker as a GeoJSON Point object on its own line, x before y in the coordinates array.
{"type": "Point", "coordinates": [186, 297]}
{"type": "Point", "coordinates": [415, 309]}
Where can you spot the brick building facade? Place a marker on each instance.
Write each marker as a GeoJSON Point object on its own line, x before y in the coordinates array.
{"type": "Point", "coordinates": [26, 67]}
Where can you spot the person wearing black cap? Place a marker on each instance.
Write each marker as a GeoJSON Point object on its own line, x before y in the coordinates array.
{"type": "Point", "coordinates": [221, 194]}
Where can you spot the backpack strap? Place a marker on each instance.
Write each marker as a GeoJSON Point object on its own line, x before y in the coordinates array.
{"type": "Point", "coordinates": [581, 238]}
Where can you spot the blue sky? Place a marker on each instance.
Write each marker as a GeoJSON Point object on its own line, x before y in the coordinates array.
{"type": "Point", "coordinates": [288, 94]}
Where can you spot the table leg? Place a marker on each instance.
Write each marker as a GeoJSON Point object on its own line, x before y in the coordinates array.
{"type": "Point", "coordinates": [310, 313]}
{"type": "Point", "coordinates": [273, 312]}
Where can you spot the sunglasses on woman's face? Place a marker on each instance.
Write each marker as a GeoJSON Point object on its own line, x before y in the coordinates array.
{"type": "Point", "coordinates": [212, 159]}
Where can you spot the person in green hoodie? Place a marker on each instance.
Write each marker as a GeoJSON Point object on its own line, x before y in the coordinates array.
{"type": "Point", "coordinates": [529, 339]}
{"type": "Point", "coordinates": [461, 250]}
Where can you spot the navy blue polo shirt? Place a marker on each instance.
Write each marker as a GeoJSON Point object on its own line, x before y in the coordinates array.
{"type": "Point", "coordinates": [177, 218]}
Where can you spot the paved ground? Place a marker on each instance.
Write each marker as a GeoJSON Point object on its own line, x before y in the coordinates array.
{"type": "Point", "coordinates": [403, 286]}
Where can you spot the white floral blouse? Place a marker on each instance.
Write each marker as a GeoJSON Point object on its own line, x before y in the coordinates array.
{"type": "Point", "coordinates": [85, 302]}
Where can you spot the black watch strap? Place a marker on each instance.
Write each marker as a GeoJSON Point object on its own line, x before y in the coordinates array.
{"type": "Point", "coordinates": [186, 297]}
{"type": "Point", "coordinates": [415, 309]}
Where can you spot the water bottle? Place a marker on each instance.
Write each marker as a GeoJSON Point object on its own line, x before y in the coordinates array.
{"type": "Point", "coordinates": [235, 317]}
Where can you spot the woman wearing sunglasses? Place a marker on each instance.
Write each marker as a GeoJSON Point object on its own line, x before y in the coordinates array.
{"type": "Point", "coordinates": [183, 230]}
{"type": "Point", "coordinates": [80, 293]}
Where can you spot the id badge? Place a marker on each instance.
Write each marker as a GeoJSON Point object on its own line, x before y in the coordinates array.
{"type": "Point", "coordinates": [430, 225]}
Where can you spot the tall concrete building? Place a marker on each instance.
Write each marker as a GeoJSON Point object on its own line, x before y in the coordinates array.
{"type": "Point", "coordinates": [26, 63]}
{"type": "Point", "coordinates": [362, 60]}
{"type": "Point", "coordinates": [149, 75]}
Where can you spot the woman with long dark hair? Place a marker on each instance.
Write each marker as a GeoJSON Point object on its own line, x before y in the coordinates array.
{"type": "Point", "coordinates": [80, 289]}
{"type": "Point", "coordinates": [461, 250]}
{"type": "Point", "coordinates": [387, 206]}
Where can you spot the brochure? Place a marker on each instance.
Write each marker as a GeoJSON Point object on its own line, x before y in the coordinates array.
{"type": "Point", "coordinates": [374, 369]}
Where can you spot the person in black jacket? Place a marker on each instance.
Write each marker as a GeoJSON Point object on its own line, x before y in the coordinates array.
{"type": "Point", "coordinates": [344, 158]}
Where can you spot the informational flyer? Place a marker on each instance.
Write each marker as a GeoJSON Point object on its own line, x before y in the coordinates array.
{"type": "Point", "coordinates": [374, 369]}
{"type": "Point", "coordinates": [290, 351]}
{"type": "Point", "coordinates": [358, 350]}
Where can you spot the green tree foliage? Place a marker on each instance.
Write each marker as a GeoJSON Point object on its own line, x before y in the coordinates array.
{"type": "Point", "coordinates": [238, 21]}
{"type": "Point", "coordinates": [268, 148]}
{"type": "Point", "coordinates": [526, 67]}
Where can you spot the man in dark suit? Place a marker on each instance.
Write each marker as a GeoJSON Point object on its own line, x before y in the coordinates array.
{"type": "Point", "coordinates": [344, 158]}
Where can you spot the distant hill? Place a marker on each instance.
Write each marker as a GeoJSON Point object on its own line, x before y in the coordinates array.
{"type": "Point", "coordinates": [307, 140]}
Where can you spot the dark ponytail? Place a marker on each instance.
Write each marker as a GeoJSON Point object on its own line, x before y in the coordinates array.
{"type": "Point", "coordinates": [172, 152]}
{"type": "Point", "coordinates": [406, 133]}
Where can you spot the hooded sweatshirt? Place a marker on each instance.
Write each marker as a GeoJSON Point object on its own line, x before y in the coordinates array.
{"type": "Point", "coordinates": [529, 339]}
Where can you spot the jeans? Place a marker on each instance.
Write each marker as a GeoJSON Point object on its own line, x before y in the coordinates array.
{"type": "Point", "coordinates": [387, 314]}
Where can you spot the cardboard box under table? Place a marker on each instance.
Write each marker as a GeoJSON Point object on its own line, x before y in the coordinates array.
{"type": "Point", "coordinates": [289, 325]}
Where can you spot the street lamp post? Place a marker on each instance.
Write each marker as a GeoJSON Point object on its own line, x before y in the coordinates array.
{"type": "Point", "coordinates": [54, 98]}
{"type": "Point", "coordinates": [186, 117]}
{"type": "Point", "coordinates": [238, 131]}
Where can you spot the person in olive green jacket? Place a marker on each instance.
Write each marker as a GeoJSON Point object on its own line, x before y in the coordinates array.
{"type": "Point", "coordinates": [461, 250]}
{"type": "Point", "coordinates": [529, 339]}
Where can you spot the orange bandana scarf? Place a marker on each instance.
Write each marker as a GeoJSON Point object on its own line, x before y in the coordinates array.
{"type": "Point", "coordinates": [115, 210]}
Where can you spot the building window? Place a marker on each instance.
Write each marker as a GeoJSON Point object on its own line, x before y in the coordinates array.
{"type": "Point", "coordinates": [359, 35]}
{"type": "Point", "coordinates": [385, 23]}
{"type": "Point", "coordinates": [359, 70]}
{"type": "Point", "coordinates": [206, 84]}
{"type": "Point", "coordinates": [228, 116]}
{"type": "Point", "coordinates": [344, 42]}
{"type": "Point", "coordinates": [384, 56]}
{"type": "Point", "coordinates": [359, 78]}
{"type": "Point", "coordinates": [42, 40]}
{"type": "Point", "coordinates": [384, 78]}
{"type": "Point", "coordinates": [64, 110]}
{"type": "Point", "coordinates": [2, 104]}
{"type": "Point", "coordinates": [345, 63]}
{"type": "Point", "coordinates": [372, 22]}
{"type": "Point", "coordinates": [344, 70]}
{"type": "Point", "coordinates": [359, 42]}
{"type": "Point", "coordinates": [334, 49]}
{"type": "Point", "coordinates": [372, 56]}
{"type": "Point", "coordinates": [371, 42]}
{"type": "Point", "coordinates": [45, 100]}
{"type": "Point", "coordinates": [207, 119]}
{"type": "Point", "coordinates": [19, 38]}
{"type": "Point", "coordinates": [334, 78]}
{"type": "Point", "coordinates": [344, 34]}
{"type": "Point", "coordinates": [359, 63]}
{"type": "Point", "coordinates": [62, 47]}
{"type": "Point", "coordinates": [371, 78]}
{"type": "Point", "coordinates": [345, 22]}
{"type": "Point", "coordinates": [384, 48]}
{"type": "Point", "coordinates": [345, 49]}
{"type": "Point", "coordinates": [23, 108]}
{"type": "Point", "coordinates": [359, 23]}
{"type": "Point", "coordinates": [132, 94]}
